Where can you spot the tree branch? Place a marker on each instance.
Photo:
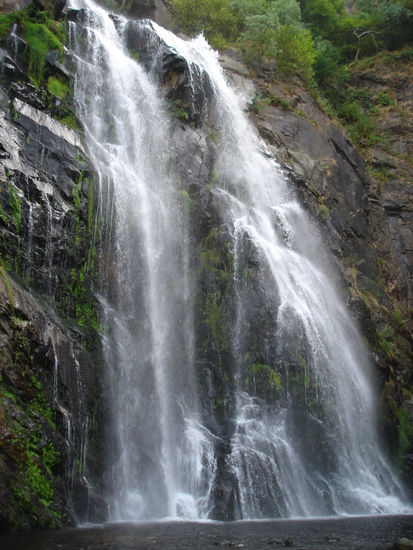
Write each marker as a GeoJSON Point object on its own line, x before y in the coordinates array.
{"type": "Point", "coordinates": [359, 35]}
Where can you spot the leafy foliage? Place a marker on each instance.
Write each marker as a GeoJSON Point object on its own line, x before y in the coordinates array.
{"type": "Point", "coordinates": [39, 40]}
{"type": "Point", "coordinates": [213, 17]}
{"type": "Point", "coordinates": [309, 38]}
{"type": "Point", "coordinates": [278, 35]}
{"type": "Point", "coordinates": [296, 52]}
{"type": "Point", "coordinates": [323, 16]}
{"type": "Point", "coordinates": [327, 60]}
{"type": "Point", "coordinates": [40, 32]}
{"type": "Point", "coordinates": [57, 87]}
{"type": "Point", "coordinates": [7, 20]}
{"type": "Point", "coordinates": [267, 31]}
{"type": "Point", "coordinates": [259, 39]}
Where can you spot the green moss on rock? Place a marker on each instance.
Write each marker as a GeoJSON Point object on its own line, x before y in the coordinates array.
{"type": "Point", "coordinates": [57, 87]}
{"type": "Point", "coordinates": [263, 377]}
{"type": "Point", "coordinates": [396, 415]}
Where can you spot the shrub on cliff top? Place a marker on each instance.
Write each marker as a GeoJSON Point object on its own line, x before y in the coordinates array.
{"type": "Point", "coordinates": [266, 30]}
{"type": "Point", "coordinates": [278, 36]}
{"type": "Point", "coordinates": [213, 17]}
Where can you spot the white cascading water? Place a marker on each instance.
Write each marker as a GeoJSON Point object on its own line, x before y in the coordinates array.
{"type": "Point", "coordinates": [149, 342]}
{"type": "Point", "coordinates": [164, 462]}
{"type": "Point", "coordinates": [267, 457]}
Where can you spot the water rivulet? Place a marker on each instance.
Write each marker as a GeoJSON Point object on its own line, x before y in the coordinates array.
{"type": "Point", "coordinates": [238, 383]}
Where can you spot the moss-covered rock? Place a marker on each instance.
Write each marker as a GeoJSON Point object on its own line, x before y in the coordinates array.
{"type": "Point", "coordinates": [50, 353]}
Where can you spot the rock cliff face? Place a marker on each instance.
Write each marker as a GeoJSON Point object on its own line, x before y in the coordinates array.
{"type": "Point", "coordinates": [52, 412]}
{"type": "Point", "coordinates": [390, 164]}
{"type": "Point", "coordinates": [49, 381]}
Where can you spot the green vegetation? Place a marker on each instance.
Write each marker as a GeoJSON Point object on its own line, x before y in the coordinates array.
{"type": "Point", "coordinates": [404, 431]}
{"type": "Point", "coordinates": [3, 215]}
{"type": "Point", "coordinates": [80, 298]}
{"type": "Point", "coordinates": [384, 340]}
{"type": "Point", "coordinates": [215, 315]}
{"type": "Point", "coordinates": [33, 485]}
{"type": "Point", "coordinates": [281, 102]}
{"type": "Point", "coordinates": [84, 303]}
{"type": "Point", "coordinates": [40, 32]}
{"type": "Point", "coordinates": [262, 377]}
{"type": "Point", "coordinates": [397, 415]}
{"type": "Point", "coordinates": [6, 280]}
{"type": "Point", "coordinates": [213, 17]}
{"type": "Point", "coordinates": [57, 87]}
{"type": "Point", "coordinates": [324, 212]}
{"type": "Point", "coordinates": [91, 205]}
{"type": "Point", "coordinates": [265, 31]}
{"type": "Point", "coordinates": [16, 206]}
{"type": "Point", "coordinates": [217, 268]}
{"type": "Point", "coordinates": [39, 40]}
{"type": "Point", "coordinates": [346, 43]}
{"type": "Point", "coordinates": [7, 20]}
{"type": "Point", "coordinates": [399, 318]}
{"type": "Point", "coordinates": [71, 121]}
{"type": "Point", "coordinates": [31, 423]}
{"type": "Point", "coordinates": [215, 271]}
{"type": "Point", "coordinates": [187, 202]}
{"type": "Point", "coordinates": [213, 135]}
{"type": "Point", "coordinates": [179, 111]}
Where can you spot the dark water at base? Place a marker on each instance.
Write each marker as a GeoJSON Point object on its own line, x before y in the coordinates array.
{"type": "Point", "coordinates": [367, 533]}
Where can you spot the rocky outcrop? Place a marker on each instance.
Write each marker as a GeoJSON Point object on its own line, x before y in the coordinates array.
{"type": "Point", "coordinates": [188, 89]}
{"type": "Point", "coordinates": [50, 383]}
{"type": "Point", "coordinates": [390, 164]}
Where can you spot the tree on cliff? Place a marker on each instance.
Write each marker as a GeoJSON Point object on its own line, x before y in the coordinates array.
{"type": "Point", "coordinates": [265, 30]}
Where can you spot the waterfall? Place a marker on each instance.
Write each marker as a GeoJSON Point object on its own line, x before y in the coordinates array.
{"type": "Point", "coordinates": [148, 341]}
{"type": "Point", "coordinates": [302, 437]}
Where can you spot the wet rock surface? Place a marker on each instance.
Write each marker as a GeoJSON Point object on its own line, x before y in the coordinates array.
{"type": "Point", "coordinates": [49, 382]}
{"type": "Point", "coordinates": [375, 533]}
{"type": "Point", "coordinates": [188, 89]}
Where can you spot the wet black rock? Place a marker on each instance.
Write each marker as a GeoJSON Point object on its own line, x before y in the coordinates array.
{"type": "Point", "coordinates": [185, 85]}
{"type": "Point", "coordinates": [49, 350]}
